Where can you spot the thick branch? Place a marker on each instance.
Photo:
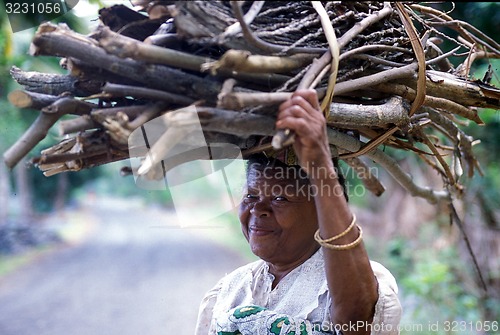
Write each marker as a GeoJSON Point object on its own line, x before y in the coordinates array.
{"type": "Point", "coordinates": [56, 41]}
{"type": "Point", "coordinates": [68, 105]}
{"type": "Point", "coordinates": [81, 161]}
{"type": "Point", "coordinates": [240, 100]}
{"type": "Point", "coordinates": [26, 99]}
{"type": "Point", "coordinates": [81, 123]}
{"type": "Point", "coordinates": [53, 108]}
{"type": "Point", "coordinates": [35, 133]}
{"type": "Point", "coordinates": [341, 114]}
{"type": "Point", "coordinates": [54, 84]}
{"type": "Point", "coordinates": [40, 128]}
{"type": "Point", "coordinates": [123, 47]}
{"type": "Point", "coordinates": [430, 101]}
{"type": "Point", "coordinates": [461, 91]}
{"type": "Point", "coordinates": [244, 61]}
{"type": "Point", "coordinates": [355, 116]}
{"type": "Point", "coordinates": [146, 93]}
{"type": "Point", "coordinates": [240, 124]}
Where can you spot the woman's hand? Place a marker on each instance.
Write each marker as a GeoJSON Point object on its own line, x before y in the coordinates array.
{"type": "Point", "coordinates": [302, 114]}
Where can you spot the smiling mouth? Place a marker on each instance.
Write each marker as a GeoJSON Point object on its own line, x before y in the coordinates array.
{"type": "Point", "coordinates": [260, 231]}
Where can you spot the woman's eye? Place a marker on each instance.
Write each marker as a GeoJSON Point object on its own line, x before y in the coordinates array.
{"type": "Point", "coordinates": [251, 196]}
{"type": "Point", "coordinates": [280, 198]}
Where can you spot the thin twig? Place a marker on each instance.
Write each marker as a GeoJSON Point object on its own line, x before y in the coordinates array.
{"type": "Point", "coordinates": [459, 26]}
{"type": "Point", "coordinates": [455, 218]}
{"type": "Point", "coordinates": [248, 18]}
{"type": "Point", "coordinates": [334, 51]}
{"type": "Point", "coordinates": [419, 54]}
{"type": "Point", "coordinates": [439, 157]}
{"type": "Point", "coordinates": [261, 44]}
{"type": "Point", "coordinates": [349, 143]}
{"type": "Point", "coordinates": [376, 47]}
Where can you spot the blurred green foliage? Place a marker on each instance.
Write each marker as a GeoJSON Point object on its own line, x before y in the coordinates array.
{"type": "Point", "coordinates": [13, 122]}
{"type": "Point", "coordinates": [111, 183]}
{"type": "Point", "coordinates": [435, 283]}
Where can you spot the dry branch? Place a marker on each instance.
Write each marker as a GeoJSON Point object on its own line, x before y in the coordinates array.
{"type": "Point", "coordinates": [54, 84]}
{"type": "Point", "coordinates": [353, 116]}
{"type": "Point", "coordinates": [118, 90]}
{"type": "Point", "coordinates": [59, 41]}
{"type": "Point", "coordinates": [233, 63]}
{"type": "Point", "coordinates": [27, 99]}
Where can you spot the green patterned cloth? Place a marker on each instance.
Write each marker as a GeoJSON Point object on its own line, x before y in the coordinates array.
{"type": "Point", "coordinates": [257, 320]}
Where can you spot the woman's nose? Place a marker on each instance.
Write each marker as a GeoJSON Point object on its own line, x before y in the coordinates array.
{"type": "Point", "coordinates": [260, 209]}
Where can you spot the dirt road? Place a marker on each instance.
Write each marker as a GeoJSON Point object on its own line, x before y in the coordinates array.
{"type": "Point", "coordinates": [128, 277]}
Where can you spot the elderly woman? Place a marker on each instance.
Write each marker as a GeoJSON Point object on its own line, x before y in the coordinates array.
{"type": "Point", "coordinates": [314, 276]}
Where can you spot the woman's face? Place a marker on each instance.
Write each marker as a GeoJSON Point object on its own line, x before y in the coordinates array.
{"type": "Point", "coordinates": [278, 216]}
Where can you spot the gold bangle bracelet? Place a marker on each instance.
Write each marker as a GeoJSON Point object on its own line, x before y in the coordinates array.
{"type": "Point", "coordinates": [341, 246]}
{"type": "Point", "coordinates": [336, 237]}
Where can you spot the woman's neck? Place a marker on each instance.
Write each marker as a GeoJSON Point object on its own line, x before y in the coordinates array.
{"type": "Point", "coordinates": [279, 271]}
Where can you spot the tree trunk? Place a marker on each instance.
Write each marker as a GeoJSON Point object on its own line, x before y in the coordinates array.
{"type": "Point", "coordinates": [4, 193]}
{"type": "Point", "coordinates": [61, 191]}
{"type": "Point", "coordinates": [24, 192]}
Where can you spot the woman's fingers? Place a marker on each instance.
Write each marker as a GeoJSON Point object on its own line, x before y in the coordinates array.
{"type": "Point", "coordinates": [302, 114]}
{"type": "Point", "coordinates": [304, 102]}
{"type": "Point", "coordinates": [310, 96]}
{"type": "Point", "coordinates": [294, 111]}
{"type": "Point", "coordinates": [303, 106]}
{"type": "Point", "coordinates": [300, 125]}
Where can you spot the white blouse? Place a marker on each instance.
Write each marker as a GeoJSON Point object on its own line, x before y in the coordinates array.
{"type": "Point", "coordinates": [243, 302]}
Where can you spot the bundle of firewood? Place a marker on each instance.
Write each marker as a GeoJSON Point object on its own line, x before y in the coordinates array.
{"type": "Point", "coordinates": [390, 74]}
